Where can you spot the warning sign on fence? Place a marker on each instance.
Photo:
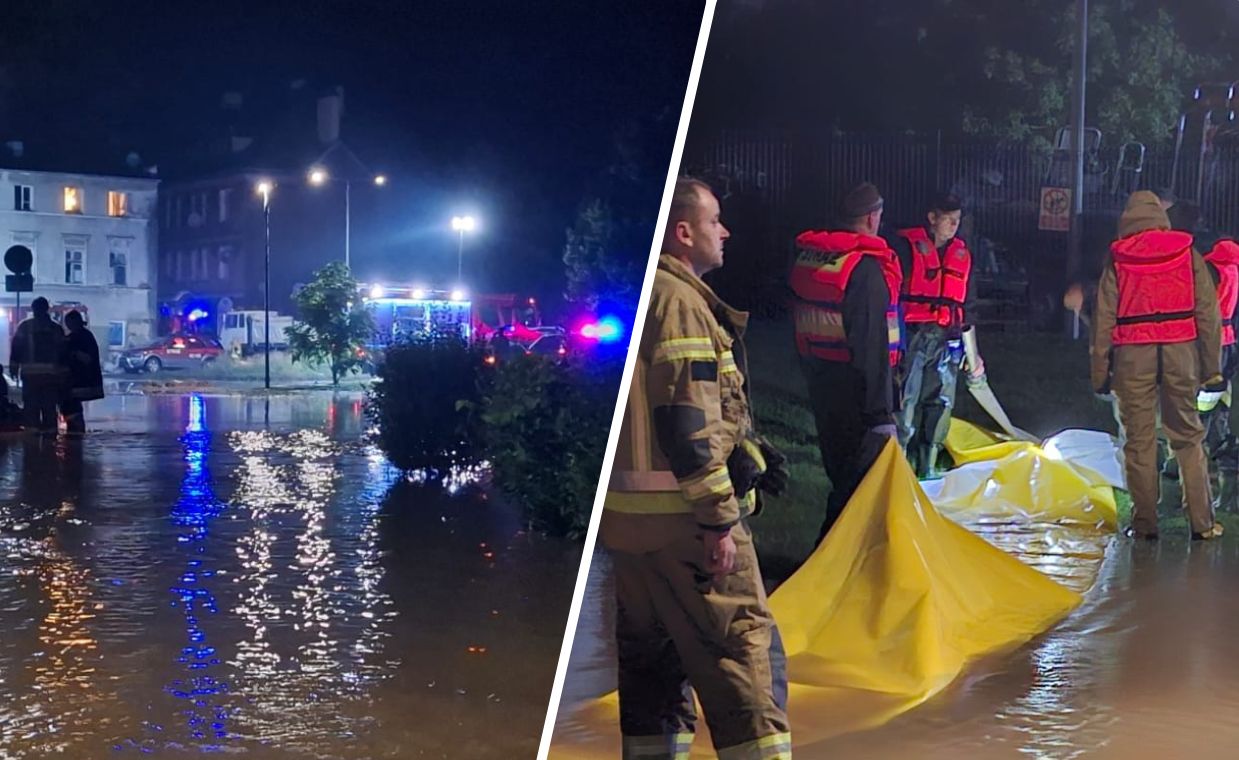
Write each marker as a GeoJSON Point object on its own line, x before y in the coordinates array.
{"type": "Point", "coordinates": [1055, 209]}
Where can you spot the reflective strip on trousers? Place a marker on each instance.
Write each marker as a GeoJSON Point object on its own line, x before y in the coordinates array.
{"type": "Point", "coordinates": [774, 747]}
{"type": "Point", "coordinates": [684, 348]}
{"type": "Point", "coordinates": [670, 747]}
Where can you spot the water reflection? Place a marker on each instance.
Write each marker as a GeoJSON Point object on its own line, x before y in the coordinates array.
{"type": "Point", "coordinates": [206, 709]}
{"type": "Point", "coordinates": [183, 582]}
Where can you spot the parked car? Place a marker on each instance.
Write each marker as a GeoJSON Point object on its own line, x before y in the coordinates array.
{"type": "Point", "coordinates": [171, 352]}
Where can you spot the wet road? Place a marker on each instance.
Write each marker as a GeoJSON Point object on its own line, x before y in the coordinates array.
{"type": "Point", "coordinates": [228, 574]}
{"type": "Point", "coordinates": [1146, 668]}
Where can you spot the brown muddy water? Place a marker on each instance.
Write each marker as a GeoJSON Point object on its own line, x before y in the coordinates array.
{"type": "Point", "coordinates": [1147, 667]}
{"type": "Point", "coordinates": [245, 576]}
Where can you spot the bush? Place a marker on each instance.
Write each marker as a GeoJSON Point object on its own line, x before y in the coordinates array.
{"type": "Point", "coordinates": [545, 430]}
{"type": "Point", "coordinates": [416, 404]}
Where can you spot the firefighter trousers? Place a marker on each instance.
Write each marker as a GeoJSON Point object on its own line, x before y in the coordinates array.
{"type": "Point", "coordinates": [40, 393]}
{"type": "Point", "coordinates": [676, 628]}
{"type": "Point", "coordinates": [1148, 379]}
{"type": "Point", "coordinates": [930, 374]}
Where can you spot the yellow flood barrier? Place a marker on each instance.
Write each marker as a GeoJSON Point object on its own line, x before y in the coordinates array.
{"type": "Point", "coordinates": [905, 591]}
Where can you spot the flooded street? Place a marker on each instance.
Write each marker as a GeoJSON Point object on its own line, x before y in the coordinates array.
{"type": "Point", "coordinates": [240, 575]}
{"type": "Point", "coordinates": [1145, 668]}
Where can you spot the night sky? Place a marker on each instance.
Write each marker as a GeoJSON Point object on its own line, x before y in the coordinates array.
{"type": "Point", "coordinates": [509, 110]}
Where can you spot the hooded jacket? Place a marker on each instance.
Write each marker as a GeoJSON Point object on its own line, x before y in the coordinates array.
{"type": "Point", "coordinates": [1144, 236]}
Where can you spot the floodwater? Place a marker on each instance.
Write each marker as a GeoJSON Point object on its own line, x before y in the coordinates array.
{"type": "Point", "coordinates": [1147, 667]}
{"type": "Point", "coordinates": [244, 576]}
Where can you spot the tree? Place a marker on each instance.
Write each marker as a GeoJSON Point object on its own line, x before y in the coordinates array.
{"type": "Point", "coordinates": [334, 325]}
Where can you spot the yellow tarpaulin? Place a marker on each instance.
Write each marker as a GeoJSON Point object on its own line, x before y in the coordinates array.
{"type": "Point", "coordinates": [905, 592]}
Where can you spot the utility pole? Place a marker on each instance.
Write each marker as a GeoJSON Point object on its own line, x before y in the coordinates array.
{"type": "Point", "coordinates": [1075, 240]}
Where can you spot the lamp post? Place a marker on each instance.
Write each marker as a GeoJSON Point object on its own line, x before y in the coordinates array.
{"type": "Point", "coordinates": [319, 177]}
{"type": "Point", "coordinates": [264, 189]}
{"type": "Point", "coordinates": [462, 224]}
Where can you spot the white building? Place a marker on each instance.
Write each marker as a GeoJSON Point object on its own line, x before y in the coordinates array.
{"type": "Point", "coordinates": [93, 245]}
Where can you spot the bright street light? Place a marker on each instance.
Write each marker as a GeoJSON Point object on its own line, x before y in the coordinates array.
{"type": "Point", "coordinates": [318, 177]}
{"type": "Point", "coordinates": [458, 295]}
{"type": "Point", "coordinates": [376, 291]}
{"type": "Point", "coordinates": [462, 224]}
{"type": "Point", "coordinates": [418, 294]}
{"type": "Point", "coordinates": [264, 188]}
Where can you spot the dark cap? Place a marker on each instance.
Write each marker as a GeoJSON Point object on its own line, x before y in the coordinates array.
{"type": "Point", "coordinates": [861, 200]}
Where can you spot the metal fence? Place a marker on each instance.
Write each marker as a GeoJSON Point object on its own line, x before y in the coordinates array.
{"type": "Point", "coordinates": [774, 186]}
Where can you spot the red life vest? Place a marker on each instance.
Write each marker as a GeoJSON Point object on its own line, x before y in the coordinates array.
{"type": "Point", "coordinates": [937, 287]}
{"type": "Point", "coordinates": [1224, 258]}
{"type": "Point", "coordinates": [820, 276]}
{"type": "Point", "coordinates": [1157, 290]}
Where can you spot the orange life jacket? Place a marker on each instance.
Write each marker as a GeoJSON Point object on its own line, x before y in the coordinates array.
{"type": "Point", "coordinates": [1157, 290]}
{"type": "Point", "coordinates": [1224, 258]}
{"type": "Point", "coordinates": [820, 276]}
{"type": "Point", "coordinates": [937, 287]}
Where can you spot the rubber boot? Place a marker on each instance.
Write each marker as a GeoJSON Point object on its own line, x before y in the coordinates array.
{"type": "Point", "coordinates": [1227, 459]}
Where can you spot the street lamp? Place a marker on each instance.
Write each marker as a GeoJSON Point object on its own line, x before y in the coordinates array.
{"type": "Point", "coordinates": [462, 224]}
{"type": "Point", "coordinates": [264, 189]}
{"type": "Point", "coordinates": [319, 177]}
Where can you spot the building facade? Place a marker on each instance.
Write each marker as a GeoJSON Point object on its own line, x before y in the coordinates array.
{"type": "Point", "coordinates": [94, 244]}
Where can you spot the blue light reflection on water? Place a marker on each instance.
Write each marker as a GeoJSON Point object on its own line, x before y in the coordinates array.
{"type": "Point", "coordinates": [206, 712]}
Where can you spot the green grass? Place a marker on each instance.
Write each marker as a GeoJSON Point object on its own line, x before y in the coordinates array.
{"type": "Point", "coordinates": [1042, 381]}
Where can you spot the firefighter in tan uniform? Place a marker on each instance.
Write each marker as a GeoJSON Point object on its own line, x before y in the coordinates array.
{"type": "Point", "coordinates": [1157, 342]}
{"type": "Point", "coordinates": [691, 607]}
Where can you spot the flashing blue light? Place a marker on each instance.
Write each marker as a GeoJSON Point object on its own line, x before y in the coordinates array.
{"type": "Point", "coordinates": [606, 330]}
{"type": "Point", "coordinates": [198, 314]}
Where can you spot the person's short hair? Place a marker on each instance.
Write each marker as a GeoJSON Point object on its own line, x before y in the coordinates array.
{"type": "Point", "coordinates": [685, 197]}
{"type": "Point", "coordinates": [1184, 216]}
{"type": "Point", "coordinates": [74, 317]}
{"type": "Point", "coordinates": [40, 305]}
{"type": "Point", "coordinates": [860, 201]}
{"type": "Point", "coordinates": [945, 203]}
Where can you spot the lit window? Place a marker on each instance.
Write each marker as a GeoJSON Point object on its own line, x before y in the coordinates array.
{"type": "Point", "coordinates": [118, 203]}
{"type": "Point", "coordinates": [23, 197]}
{"type": "Point", "coordinates": [73, 200]}
{"type": "Point", "coordinates": [225, 196]}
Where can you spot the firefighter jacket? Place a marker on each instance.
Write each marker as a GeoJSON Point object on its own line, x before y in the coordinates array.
{"type": "Point", "coordinates": [826, 265]}
{"type": "Point", "coordinates": [1154, 290]}
{"type": "Point", "coordinates": [687, 411]}
{"type": "Point", "coordinates": [935, 285]}
{"type": "Point", "coordinates": [1224, 260]}
{"type": "Point", "coordinates": [37, 348]}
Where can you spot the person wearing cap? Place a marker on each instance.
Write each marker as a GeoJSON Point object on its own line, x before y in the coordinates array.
{"type": "Point", "coordinates": [35, 357]}
{"type": "Point", "coordinates": [936, 299]}
{"type": "Point", "coordinates": [846, 284]}
{"type": "Point", "coordinates": [691, 609]}
{"type": "Point", "coordinates": [1157, 341]}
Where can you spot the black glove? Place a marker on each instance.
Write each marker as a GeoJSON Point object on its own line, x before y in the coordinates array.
{"type": "Point", "coordinates": [744, 468]}
{"type": "Point", "coordinates": [755, 463]}
{"type": "Point", "coordinates": [774, 480]}
{"type": "Point", "coordinates": [1215, 384]}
